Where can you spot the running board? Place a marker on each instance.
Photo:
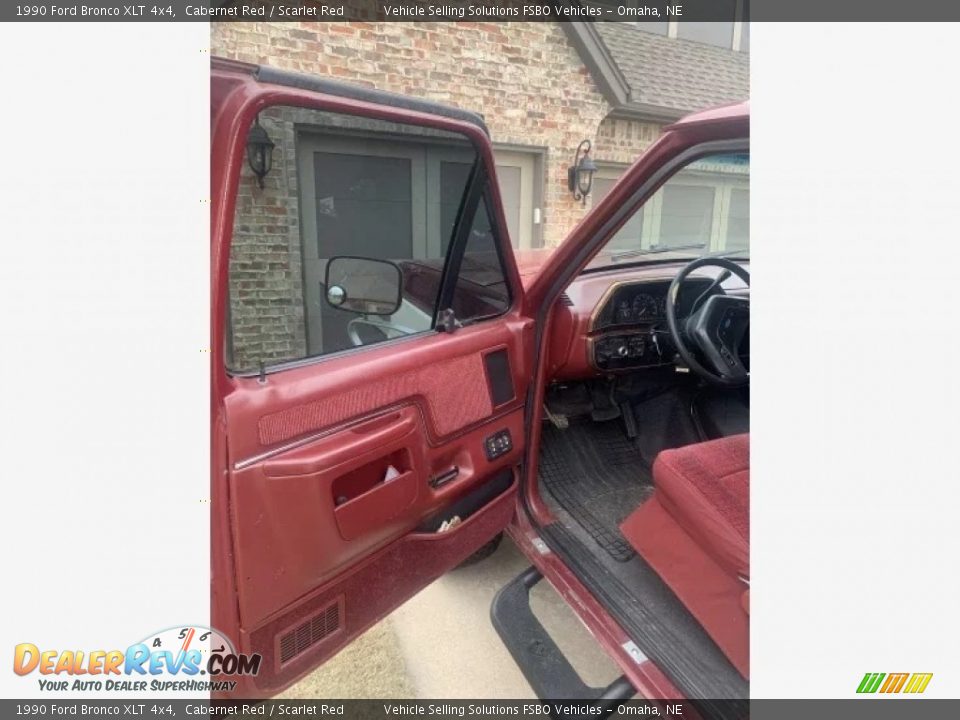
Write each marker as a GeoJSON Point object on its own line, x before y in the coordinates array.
{"type": "Point", "coordinates": [542, 663]}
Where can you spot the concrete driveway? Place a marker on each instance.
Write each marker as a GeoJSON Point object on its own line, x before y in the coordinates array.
{"type": "Point", "coordinates": [441, 644]}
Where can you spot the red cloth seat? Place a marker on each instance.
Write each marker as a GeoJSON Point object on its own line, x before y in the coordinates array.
{"type": "Point", "coordinates": [706, 488]}
{"type": "Point", "coordinates": [695, 533]}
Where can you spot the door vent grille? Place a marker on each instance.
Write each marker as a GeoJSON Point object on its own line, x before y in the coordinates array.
{"type": "Point", "coordinates": [320, 626]}
{"type": "Point", "coordinates": [565, 300]}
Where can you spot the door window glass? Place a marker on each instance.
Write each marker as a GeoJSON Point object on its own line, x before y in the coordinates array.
{"type": "Point", "coordinates": [363, 201]}
{"type": "Point", "coordinates": [453, 180]}
{"type": "Point", "coordinates": [346, 202]}
{"type": "Point", "coordinates": [481, 290]}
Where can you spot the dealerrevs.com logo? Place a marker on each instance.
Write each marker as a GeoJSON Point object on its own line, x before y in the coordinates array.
{"type": "Point", "coordinates": [178, 659]}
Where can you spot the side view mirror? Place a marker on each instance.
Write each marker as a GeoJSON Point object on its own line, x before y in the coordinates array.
{"type": "Point", "coordinates": [363, 285]}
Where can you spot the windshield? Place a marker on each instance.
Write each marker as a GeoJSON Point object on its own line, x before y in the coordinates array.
{"type": "Point", "coordinates": [702, 209]}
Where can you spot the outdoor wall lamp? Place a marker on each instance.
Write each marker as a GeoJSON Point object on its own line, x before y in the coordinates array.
{"type": "Point", "coordinates": [580, 174]}
{"type": "Point", "coordinates": [259, 151]}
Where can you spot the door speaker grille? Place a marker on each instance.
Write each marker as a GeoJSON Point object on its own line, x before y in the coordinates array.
{"type": "Point", "coordinates": [498, 377]}
{"type": "Point", "coordinates": [299, 639]}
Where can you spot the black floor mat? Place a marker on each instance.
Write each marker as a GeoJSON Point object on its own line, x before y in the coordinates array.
{"type": "Point", "coordinates": [596, 473]}
{"type": "Point", "coordinates": [664, 421]}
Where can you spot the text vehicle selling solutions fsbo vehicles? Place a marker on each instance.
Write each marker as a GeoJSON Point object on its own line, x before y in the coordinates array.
{"type": "Point", "coordinates": [394, 387]}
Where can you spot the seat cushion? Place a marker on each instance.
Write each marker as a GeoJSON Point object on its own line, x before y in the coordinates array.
{"type": "Point", "coordinates": [706, 488]}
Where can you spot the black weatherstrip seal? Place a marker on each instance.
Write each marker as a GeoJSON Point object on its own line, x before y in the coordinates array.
{"type": "Point", "coordinates": [466, 212]}
{"type": "Point", "coordinates": [323, 85]}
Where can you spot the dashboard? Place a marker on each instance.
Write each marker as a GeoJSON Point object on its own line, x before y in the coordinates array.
{"type": "Point", "coordinates": [615, 321]}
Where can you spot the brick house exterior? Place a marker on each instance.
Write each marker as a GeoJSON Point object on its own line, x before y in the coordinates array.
{"type": "Point", "coordinates": [541, 87]}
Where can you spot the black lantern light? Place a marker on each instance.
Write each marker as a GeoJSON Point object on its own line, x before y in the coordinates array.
{"type": "Point", "coordinates": [580, 174]}
{"type": "Point", "coordinates": [259, 151]}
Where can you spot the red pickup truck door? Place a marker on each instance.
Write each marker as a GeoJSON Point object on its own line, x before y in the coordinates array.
{"type": "Point", "coordinates": [313, 540]}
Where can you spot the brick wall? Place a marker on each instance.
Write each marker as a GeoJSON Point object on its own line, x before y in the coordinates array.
{"type": "Point", "coordinates": [621, 141]}
{"type": "Point", "coordinates": [266, 281]}
{"type": "Point", "coordinates": [525, 78]}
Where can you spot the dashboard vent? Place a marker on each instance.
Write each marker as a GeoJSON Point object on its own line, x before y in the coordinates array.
{"type": "Point", "coordinates": [565, 300]}
{"type": "Point", "coordinates": [299, 639]}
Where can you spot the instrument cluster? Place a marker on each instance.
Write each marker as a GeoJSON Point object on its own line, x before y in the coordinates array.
{"type": "Point", "coordinates": [642, 307]}
{"type": "Point", "coordinates": [644, 303]}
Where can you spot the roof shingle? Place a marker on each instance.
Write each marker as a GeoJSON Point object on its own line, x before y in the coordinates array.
{"type": "Point", "coordinates": [675, 74]}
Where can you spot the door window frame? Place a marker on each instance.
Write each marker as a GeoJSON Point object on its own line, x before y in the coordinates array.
{"type": "Point", "coordinates": [476, 135]}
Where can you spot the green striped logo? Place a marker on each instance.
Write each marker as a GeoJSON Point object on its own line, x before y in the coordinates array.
{"type": "Point", "coordinates": [871, 682]}
{"type": "Point", "coordinates": [885, 683]}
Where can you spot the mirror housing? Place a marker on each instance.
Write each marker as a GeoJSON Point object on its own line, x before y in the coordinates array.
{"type": "Point", "coordinates": [363, 285]}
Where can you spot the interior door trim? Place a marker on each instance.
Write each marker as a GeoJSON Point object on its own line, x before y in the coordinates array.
{"type": "Point", "coordinates": [314, 359]}
{"type": "Point", "coordinates": [502, 412]}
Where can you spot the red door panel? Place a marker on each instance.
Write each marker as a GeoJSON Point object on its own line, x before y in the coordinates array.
{"type": "Point", "coordinates": [318, 501]}
{"type": "Point", "coordinates": [443, 374]}
{"type": "Point", "coordinates": [365, 593]}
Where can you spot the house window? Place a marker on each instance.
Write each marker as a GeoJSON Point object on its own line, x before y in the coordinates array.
{"type": "Point", "coordinates": [744, 37]}
{"type": "Point", "coordinates": [706, 205]}
{"type": "Point", "coordinates": [631, 234]}
{"type": "Point", "coordinates": [733, 35]}
{"type": "Point", "coordinates": [658, 27]}
{"type": "Point", "coordinates": [517, 173]}
{"type": "Point", "coordinates": [686, 214]}
{"type": "Point", "coordinates": [738, 220]}
{"type": "Point", "coordinates": [709, 33]}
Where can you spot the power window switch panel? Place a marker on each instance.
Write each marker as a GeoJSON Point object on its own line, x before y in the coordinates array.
{"type": "Point", "coordinates": [498, 444]}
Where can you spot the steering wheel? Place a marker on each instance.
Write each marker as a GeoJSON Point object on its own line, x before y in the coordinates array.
{"type": "Point", "coordinates": [361, 325]}
{"type": "Point", "coordinates": [715, 329]}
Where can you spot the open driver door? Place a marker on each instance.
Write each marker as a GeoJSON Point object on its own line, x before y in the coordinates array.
{"type": "Point", "coordinates": [370, 363]}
